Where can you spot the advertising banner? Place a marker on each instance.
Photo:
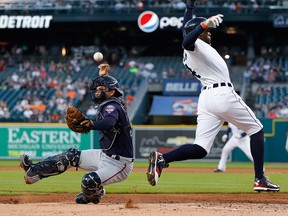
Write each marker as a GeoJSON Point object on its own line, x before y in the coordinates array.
{"type": "Point", "coordinates": [40, 142]}
{"type": "Point", "coordinates": [174, 106]}
{"type": "Point", "coordinates": [166, 139]}
{"type": "Point", "coordinates": [181, 87]}
{"type": "Point", "coordinates": [280, 20]}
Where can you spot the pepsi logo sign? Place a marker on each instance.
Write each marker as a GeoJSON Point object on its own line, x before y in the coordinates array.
{"type": "Point", "coordinates": [148, 21]}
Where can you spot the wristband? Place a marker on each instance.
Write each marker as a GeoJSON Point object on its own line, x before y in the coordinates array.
{"type": "Point", "coordinates": [204, 26]}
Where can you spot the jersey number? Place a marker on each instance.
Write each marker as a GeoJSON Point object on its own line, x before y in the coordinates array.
{"type": "Point", "coordinates": [192, 72]}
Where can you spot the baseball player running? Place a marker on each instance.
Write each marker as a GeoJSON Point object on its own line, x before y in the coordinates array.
{"type": "Point", "coordinates": [112, 163]}
{"type": "Point", "coordinates": [238, 139]}
{"type": "Point", "coordinates": [218, 102]}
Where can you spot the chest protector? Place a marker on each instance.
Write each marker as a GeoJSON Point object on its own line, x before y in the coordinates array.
{"type": "Point", "coordinates": [107, 137]}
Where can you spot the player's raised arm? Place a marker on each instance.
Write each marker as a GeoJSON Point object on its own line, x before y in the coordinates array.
{"type": "Point", "coordinates": [190, 24]}
{"type": "Point", "coordinates": [189, 12]}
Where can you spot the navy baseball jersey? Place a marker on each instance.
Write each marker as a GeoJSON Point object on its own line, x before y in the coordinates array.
{"type": "Point", "coordinates": [118, 140]}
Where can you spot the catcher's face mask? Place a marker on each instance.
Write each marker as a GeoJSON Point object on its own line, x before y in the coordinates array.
{"type": "Point", "coordinates": [98, 90]}
{"type": "Point", "coordinates": [101, 85]}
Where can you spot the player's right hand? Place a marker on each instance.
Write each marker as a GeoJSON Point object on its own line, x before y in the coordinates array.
{"type": "Point", "coordinates": [214, 21]}
{"type": "Point", "coordinates": [224, 137]}
{"type": "Point", "coordinates": [87, 123]}
{"type": "Point", "coordinates": [104, 69]}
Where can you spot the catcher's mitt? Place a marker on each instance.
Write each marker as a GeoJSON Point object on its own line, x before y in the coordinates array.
{"type": "Point", "coordinates": [73, 119]}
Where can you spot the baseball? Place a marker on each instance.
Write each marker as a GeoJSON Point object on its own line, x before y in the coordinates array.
{"type": "Point", "coordinates": [98, 56]}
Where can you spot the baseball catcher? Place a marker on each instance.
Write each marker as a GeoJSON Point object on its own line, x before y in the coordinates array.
{"type": "Point", "coordinates": [110, 164]}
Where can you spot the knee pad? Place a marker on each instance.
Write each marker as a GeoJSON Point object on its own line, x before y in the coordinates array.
{"type": "Point", "coordinates": [91, 184]}
{"type": "Point", "coordinates": [73, 155]}
{"type": "Point", "coordinates": [62, 161]}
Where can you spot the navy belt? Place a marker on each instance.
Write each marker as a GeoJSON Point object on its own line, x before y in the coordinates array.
{"type": "Point", "coordinates": [215, 85]}
{"type": "Point", "coordinates": [118, 157]}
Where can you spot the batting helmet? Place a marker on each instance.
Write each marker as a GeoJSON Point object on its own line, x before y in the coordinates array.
{"type": "Point", "coordinates": [192, 24]}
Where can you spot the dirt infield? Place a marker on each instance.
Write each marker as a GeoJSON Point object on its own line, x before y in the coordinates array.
{"type": "Point", "coordinates": [254, 204]}
{"type": "Point", "coordinates": [264, 204]}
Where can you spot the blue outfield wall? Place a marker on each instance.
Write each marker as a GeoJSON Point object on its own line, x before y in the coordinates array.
{"type": "Point", "coordinates": [275, 131]}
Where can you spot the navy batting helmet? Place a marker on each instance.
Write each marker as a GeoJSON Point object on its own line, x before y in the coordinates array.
{"type": "Point", "coordinates": [192, 24]}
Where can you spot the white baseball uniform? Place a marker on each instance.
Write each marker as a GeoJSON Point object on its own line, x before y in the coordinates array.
{"type": "Point", "coordinates": [236, 140]}
{"type": "Point", "coordinates": [218, 102]}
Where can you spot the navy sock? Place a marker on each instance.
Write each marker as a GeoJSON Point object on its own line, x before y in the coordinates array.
{"type": "Point", "coordinates": [185, 152]}
{"type": "Point", "coordinates": [257, 151]}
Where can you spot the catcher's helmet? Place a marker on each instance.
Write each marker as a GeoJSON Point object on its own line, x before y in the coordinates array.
{"type": "Point", "coordinates": [109, 82]}
{"type": "Point", "coordinates": [192, 24]}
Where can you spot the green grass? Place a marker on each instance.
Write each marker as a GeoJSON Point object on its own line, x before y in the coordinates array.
{"type": "Point", "coordinates": [12, 183]}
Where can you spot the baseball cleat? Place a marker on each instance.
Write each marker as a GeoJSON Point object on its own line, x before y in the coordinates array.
{"type": "Point", "coordinates": [218, 170]}
{"type": "Point", "coordinates": [156, 164]}
{"type": "Point", "coordinates": [264, 184]}
{"type": "Point", "coordinates": [25, 162]}
{"type": "Point", "coordinates": [81, 198]}
{"type": "Point", "coordinates": [31, 176]}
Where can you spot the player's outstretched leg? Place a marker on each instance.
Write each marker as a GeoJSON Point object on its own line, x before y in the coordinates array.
{"type": "Point", "coordinates": [156, 165]}
{"type": "Point", "coordinates": [51, 166]}
{"type": "Point", "coordinates": [264, 184]}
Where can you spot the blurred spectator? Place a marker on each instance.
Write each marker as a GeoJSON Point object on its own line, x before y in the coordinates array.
{"type": "Point", "coordinates": [133, 68]}
{"type": "Point", "coordinates": [140, 5]}
{"type": "Point", "coordinates": [17, 108]}
{"type": "Point", "coordinates": [3, 86]}
{"type": "Point", "coordinates": [171, 73]}
{"type": "Point", "coordinates": [25, 103]}
{"type": "Point", "coordinates": [129, 99]}
{"type": "Point", "coordinates": [47, 116]}
{"type": "Point", "coordinates": [178, 5]}
{"type": "Point", "coordinates": [246, 76]}
{"type": "Point", "coordinates": [71, 94]}
{"type": "Point", "coordinates": [41, 117]}
{"type": "Point", "coordinates": [238, 7]}
{"type": "Point", "coordinates": [119, 5]}
{"type": "Point", "coordinates": [27, 113]}
{"type": "Point", "coordinates": [41, 107]}
{"type": "Point", "coordinates": [164, 74]}
{"type": "Point", "coordinates": [61, 107]}
{"type": "Point", "coordinates": [55, 117]}
{"type": "Point", "coordinates": [2, 65]}
{"type": "Point", "coordinates": [282, 112]}
{"type": "Point", "coordinates": [4, 110]}
{"type": "Point", "coordinates": [15, 77]}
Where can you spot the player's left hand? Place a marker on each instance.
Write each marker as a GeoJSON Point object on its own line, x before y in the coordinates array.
{"type": "Point", "coordinates": [213, 22]}
{"type": "Point", "coordinates": [74, 118]}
